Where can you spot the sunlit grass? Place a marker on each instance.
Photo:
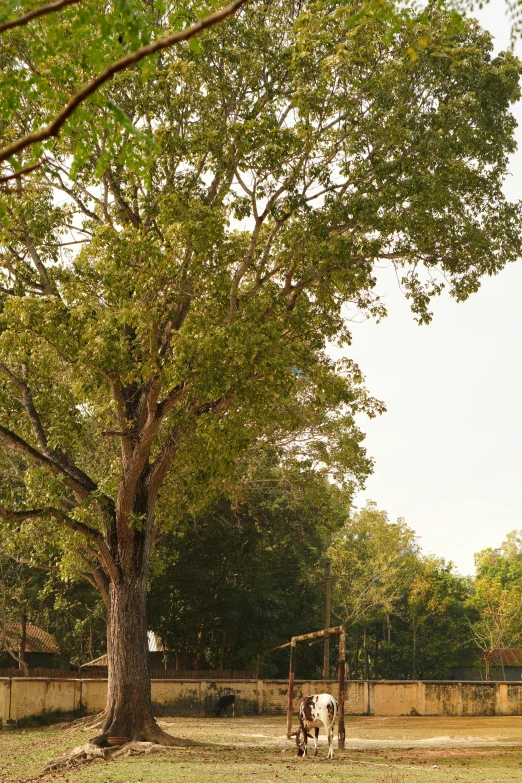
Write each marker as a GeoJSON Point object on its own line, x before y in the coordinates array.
{"type": "Point", "coordinates": [254, 749]}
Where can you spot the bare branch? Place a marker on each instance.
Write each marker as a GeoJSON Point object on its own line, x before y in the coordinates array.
{"type": "Point", "coordinates": [22, 171]}
{"type": "Point", "coordinates": [75, 479]}
{"type": "Point", "coordinates": [40, 566]}
{"type": "Point", "coordinates": [53, 129]}
{"type": "Point", "coordinates": [43, 11]}
{"type": "Point", "coordinates": [98, 577]}
{"type": "Point", "coordinates": [20, 516]}
{"type": "Point", "coordinates": [171, 399]}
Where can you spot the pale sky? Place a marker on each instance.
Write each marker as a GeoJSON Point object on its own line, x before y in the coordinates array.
{"type": "Point", "coordinates": [448, 451]}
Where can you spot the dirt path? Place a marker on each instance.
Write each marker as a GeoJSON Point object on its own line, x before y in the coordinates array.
{"type": "Point", "coordinates": [369, 733]}
{"type": "Point", "coordinates": [359, 743]}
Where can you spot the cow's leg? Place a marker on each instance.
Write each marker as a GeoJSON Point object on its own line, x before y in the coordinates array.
{"type": "Point", "coordinates": [233, 710]}
{"type": "Point", "coordinates": [315, 741]}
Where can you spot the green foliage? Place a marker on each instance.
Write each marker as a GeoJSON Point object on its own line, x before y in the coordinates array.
{"type": "Point", "coordinates": [71, 612]}
{"type": "Point", "coordinates": [407, 615]}
{"type": "Point", "coordinates": [242, 579]}
{"type": "Point", "coordinates": [168, 286]}
{"type": "Point", "coordinates": [497, 599]}
{"type": "Point", "coordinates": [372, 561]}
{"type": "Point", "coordinates": [431, 631]}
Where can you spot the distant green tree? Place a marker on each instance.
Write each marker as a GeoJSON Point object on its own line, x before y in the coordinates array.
{"type": "Point", "coordinates": [431, 628]}
{"type": "Point", "coordinates": [497, 599]}
{"type": "Point", "coordinates": [372, 559]}
{"type": "Point", "coordinates": [407, 615]}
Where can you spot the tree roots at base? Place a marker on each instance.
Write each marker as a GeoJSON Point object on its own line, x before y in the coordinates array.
{"type": "Point", "coordinates": [107, 746]}
{"type": "Point", "coordinates": [90, 752]}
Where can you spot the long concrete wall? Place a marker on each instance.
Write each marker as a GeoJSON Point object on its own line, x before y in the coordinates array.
{"type": "Point", "coordinates": [23, 697]}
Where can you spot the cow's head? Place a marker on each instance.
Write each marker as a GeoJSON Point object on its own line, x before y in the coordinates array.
{"type": "Point", "coordinates": [301, 739]}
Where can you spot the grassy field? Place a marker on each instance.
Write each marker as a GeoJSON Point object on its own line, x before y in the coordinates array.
{"type": "Point", "coordinates": [244, 750]}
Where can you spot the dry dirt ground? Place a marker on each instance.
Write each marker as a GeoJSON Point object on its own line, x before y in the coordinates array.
{"type": "Point", "coordinates": [255, 750]}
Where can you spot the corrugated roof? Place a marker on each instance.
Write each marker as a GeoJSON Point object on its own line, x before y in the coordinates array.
{"type": "Point", "coordinates": [155, 645]}
{"type": "Point", "coordinates": [506, 656]}
{"type": "Point", "coordinates": [103, 660]}
{"type": "Point", "coordinates": [37, 639]}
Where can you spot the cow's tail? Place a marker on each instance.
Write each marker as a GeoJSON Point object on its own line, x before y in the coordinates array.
{"type": "Point", "coordinates": [336, 707]}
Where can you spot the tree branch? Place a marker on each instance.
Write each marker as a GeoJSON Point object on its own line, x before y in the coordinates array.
{"type": "Point", "coordinates": [54, 127]}
{"type": "Point", "coordinates": [170, 400]}
{"type": "Point", "coordinates": [25, 170]}
{"type": "Point", "coordinates": [84, 483]}
{"type": "Point", "coordinates": [43, 11]}
{"type": "Point", "coordinates": [77, 527]}
{"type": "Point", "coordinates": [98, 578]}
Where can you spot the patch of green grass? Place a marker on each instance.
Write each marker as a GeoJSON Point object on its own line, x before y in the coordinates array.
{"type": "Point", "coordinates": [254, 750]}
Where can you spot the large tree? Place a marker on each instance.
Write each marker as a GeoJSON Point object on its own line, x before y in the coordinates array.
{"type": "Point", "coordinates": [172, 275]}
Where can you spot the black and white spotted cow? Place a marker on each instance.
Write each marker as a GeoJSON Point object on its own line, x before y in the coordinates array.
{"type": "Point", "coordinates": [315, 711]}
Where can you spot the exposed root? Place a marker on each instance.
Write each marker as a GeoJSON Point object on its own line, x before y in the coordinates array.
{"type": "Point", "coordinates": [95, 722]}
{"type": "Point", "coordinates": [136, 749]}
{"type": "Point", "coordinates": [160, 737]}
{"type": "Point", "coordinates": [106, 746]}
{"type": "Point", "coordinates": [78, 755]}
{"type": "Point", "coordinates": [83, 754]}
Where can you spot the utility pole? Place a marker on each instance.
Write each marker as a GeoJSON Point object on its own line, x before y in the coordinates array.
{"type": "Point", "coordinates": [326, 659]}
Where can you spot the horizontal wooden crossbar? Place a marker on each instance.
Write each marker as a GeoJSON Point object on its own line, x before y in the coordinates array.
{"type": "Point", "coordinates": [317, 634]}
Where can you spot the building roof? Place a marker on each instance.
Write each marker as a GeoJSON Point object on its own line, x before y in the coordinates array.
{"type": "Point", "coordinates": [103, 660]}
{"type": "Point", "coordinates": [506, 656]}
{"type": "Point", "coordinates": [37, 640]}
{"type": "Point", "coordinates": [155, 645]}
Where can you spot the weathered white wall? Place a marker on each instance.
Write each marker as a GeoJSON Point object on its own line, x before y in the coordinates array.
{"type": "Point", "coordinates": [21, 697]}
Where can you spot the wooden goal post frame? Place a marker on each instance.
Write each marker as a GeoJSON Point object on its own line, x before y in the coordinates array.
{"type": "Point", "coordinates": [326, 632]}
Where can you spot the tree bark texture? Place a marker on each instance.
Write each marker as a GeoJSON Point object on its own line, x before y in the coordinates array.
{"type": "Point", "coordinates": [129, 705]}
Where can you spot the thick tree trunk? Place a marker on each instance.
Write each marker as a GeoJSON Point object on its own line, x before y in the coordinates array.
{"type": "Point", "coordinates": [129, 705]}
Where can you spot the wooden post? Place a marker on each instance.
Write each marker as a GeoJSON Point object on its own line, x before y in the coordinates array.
{"type": "Point", "coordinates": [326, 657]}
{"type": "Point", "coordinates": [342, 664]}
{"type": "Point", "coordinates": [338, 629]}
{"type": "Point", "coordinates": [290, 690]}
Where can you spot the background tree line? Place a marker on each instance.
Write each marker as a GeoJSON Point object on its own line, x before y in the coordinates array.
{"type": "Point", "coordinates": [241, 578]}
